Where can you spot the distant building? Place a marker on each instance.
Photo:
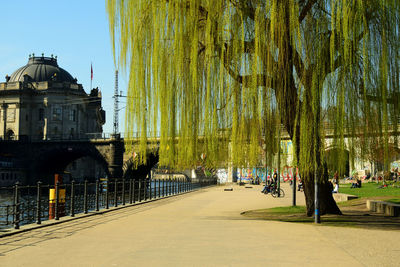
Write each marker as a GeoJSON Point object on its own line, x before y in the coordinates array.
{"type": "Point", "coordinates": [42, 101]}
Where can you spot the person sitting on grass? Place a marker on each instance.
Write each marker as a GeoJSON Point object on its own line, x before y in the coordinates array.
{"type": "Point", "coordinates": [336, 188]}
{"type": "Point", "coordinates": [357, 184]}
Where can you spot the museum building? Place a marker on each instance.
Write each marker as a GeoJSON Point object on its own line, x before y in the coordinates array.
{"type": "Point", "coordinates": [42, 101]}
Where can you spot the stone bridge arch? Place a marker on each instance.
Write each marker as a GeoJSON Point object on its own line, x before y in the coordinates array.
{"type": "Point", "coordinates": [337, 159]}
{"type": "Point", "coordinates": [39, 160]}
{"type": "Point", "coordinates": [55, 158]}
{"type": "Point", "coordinates": [133, 171]}
{"type": "Point", "coordinates": [377, 157]}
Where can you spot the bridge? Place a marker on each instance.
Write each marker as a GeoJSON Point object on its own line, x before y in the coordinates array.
{"type": "Point", "coordinates": [374, 164]}
{"type": "Point", "coordinates": [41, 159]}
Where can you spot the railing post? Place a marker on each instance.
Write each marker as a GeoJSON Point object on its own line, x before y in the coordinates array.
{"type": "Point", "coordinates": [107, 196]}
{"type": "Point", "coordinates": [144, 189]}
{"type": "Point", "coordinates": [85, 197]}
{"type": "Point", "coordinates": [56, 215]}
{"type": "Point", "coordinates": [163, 188]}
{"type": "Point", "coordinates": [123, 192]}
{"type": "Point", "coordinates": [115, 193]}
{"type": "Point", "coordinates": [150, 188]}
{"type": "Point", "coordinates": [130, 191]}
{"type": "Point", "coordinates": [168, 187]}
{"type": "Point", "coordinates": [97, 194]}
{"type": "Point", "coordinates": [159, 188]}
{"type": "Point", "coordinates": [139, 189]}
{"type": "Point", "coordinates": [133, 190]}
{"type": "Point", "coordinates": [17, 207]}
{"type": "Point", "coordinates": [38, 203]}
{"type": "Point", "coordinates": [72, 208]}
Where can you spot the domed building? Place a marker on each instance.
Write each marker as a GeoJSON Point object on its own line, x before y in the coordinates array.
{"type": "Point", "coordinates": [42, 101]}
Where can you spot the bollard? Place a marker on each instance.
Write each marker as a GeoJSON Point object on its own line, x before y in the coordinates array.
{"type": "Point", "coordinates": [72, 208]}
{"type": "Point", "coordinates": [130, 191]}
{"type": "Point", "coordinates": [38, 204]}
{"type": "Point", "coordinates": [97, 189]}
{"type": "Point", "coordinates": [107, 196]}
{"type": "Point", "coordinates": [294, 191]}
{"type": "Point", "coordinates": [17, 207]}
{"type": "Point", "coordinates": [123, 192]}
{"type": "Point", "coordinates": [85, 197]}
{"type": "Point", "coordinates": [56, 215]}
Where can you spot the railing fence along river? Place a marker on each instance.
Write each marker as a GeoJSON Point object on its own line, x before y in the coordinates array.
{"type": "Point", "coordinates": [25, 204]}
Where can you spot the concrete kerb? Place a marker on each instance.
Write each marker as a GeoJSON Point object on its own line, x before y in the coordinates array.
{"type": "Point", "coordinates": [47, 223]}
{"type": "Point", "coordinates": [386, 208]}
{"type": "Point", "coordinates": [343, 197]}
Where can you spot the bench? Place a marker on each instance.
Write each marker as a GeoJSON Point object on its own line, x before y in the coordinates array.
{"type": "Point", "coordinates": [386, 208]}
{"type": "Point", "coordinates": [339, 197]}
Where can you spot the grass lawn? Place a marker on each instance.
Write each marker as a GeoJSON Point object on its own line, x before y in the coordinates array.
{"type": "Point", "coordinates": [354, 213]}
{"type": "Point", "coordinates": [370, 190]}
{"type": "Point", "coordinates": [394, 200]}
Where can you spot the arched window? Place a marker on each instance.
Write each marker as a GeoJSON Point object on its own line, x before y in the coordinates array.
{"type": "Point", "coordinates": [10, 135]}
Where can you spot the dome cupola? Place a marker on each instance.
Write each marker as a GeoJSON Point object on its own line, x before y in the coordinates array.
{"type": "Point", "coordinates": [40, 69]}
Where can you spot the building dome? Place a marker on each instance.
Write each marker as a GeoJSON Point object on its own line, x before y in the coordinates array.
{"type": "Point", "coordinates": [41, 69]}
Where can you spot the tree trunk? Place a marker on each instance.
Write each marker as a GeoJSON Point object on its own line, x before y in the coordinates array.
{"type": "Point", "coordinates": [327, 204]}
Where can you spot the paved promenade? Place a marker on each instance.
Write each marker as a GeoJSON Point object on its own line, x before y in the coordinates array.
{"type": "Point", "coordinates": [203, 228]}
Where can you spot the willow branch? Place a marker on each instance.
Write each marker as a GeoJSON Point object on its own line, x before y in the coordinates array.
{"type": "Point", "coordinates": [306, 9]}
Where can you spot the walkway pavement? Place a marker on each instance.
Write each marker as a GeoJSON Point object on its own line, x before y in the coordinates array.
{"type": "Point", "coordinates": [203, 228]}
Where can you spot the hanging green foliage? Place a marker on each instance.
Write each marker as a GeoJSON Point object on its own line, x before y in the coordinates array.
{"type": "Point", "coordinates": [218, 77]}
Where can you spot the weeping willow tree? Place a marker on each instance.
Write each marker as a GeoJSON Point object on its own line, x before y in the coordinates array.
{"type": "Point", "coordinates": [216, 74]}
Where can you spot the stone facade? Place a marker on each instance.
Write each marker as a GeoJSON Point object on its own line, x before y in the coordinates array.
{"type": "Point", "coordinates": [41, 101]}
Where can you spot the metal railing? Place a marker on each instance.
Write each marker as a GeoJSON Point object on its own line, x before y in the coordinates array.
{"type": "Point", "coordinates": [25, 204]}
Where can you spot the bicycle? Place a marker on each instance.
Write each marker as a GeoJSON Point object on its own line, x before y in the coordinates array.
{"type": "Point", "coordinates": [274, 192]}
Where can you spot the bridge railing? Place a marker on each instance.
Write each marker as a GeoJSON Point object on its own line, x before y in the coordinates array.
{"type": "Point", "coordinates": [59, 137]}
{"type": "Point", "coordinates": [26, 204]}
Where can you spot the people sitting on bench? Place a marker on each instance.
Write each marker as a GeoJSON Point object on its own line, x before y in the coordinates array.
{"type": "Point", "coordinates": [357, 184]}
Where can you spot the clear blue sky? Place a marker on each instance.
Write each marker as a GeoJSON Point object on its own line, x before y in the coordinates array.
{"type": "Point", "coordinates": [76, 31]}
